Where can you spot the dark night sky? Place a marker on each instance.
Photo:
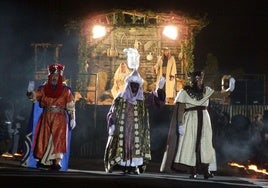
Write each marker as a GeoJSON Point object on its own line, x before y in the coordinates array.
{"type": "Point", "coordinates": [236, 34]}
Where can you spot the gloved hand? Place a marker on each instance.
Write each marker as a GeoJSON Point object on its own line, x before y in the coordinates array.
{"type": "Point", "coordinates": [72, 124]}
{"type": "Point", "coordinates": [161, 83]}
{"type": "Point", "coordinates": [232, 84]}
{"type": "Point", "coordinates": [181, 129]}
{"type": "Point", "coordinates": [111, 130]}
{"type": "Point", "coordinates": [30, 86]}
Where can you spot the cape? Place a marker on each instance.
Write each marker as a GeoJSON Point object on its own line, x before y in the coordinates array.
{"type": "Point", "coordinates": [28, 159]}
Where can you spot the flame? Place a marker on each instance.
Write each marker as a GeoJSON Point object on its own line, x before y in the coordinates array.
{"type": "Point", "coordinates": [249, 167]}
{"type": "Point", "coordinates": [7, 155]}
{"type": "Point", "coordinates": [237, 165]}
{"type": "Point", "coordinates": [255, 168]}
{"type": "Point", "coordinates": [17, 154]}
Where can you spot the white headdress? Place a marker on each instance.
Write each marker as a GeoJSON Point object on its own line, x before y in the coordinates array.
{"type": "Point", "coordinates": [134, 77]}
{"type": "Point", "coordinates": [133, 62]}
{"type": "Point", "coordinates": [133, 58]}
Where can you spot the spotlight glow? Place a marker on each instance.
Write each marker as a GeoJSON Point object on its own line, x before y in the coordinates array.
{"type": "Point", "coordinates": [171, 32]}
{"type": "Point", "coordinates": [98, 31]}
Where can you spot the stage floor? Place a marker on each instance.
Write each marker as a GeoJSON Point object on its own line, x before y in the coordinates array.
{"type": "Point", "coordinates": [89, 173]}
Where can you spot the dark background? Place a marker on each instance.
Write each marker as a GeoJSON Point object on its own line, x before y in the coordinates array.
{"type": "Point", "coordinates": [236, 34]}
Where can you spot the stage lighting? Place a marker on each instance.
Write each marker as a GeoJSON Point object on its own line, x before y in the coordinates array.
{"type": "Point", "coordinates": [171, 31]}
{"type": "Point", "coordinates": [98, 31]}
